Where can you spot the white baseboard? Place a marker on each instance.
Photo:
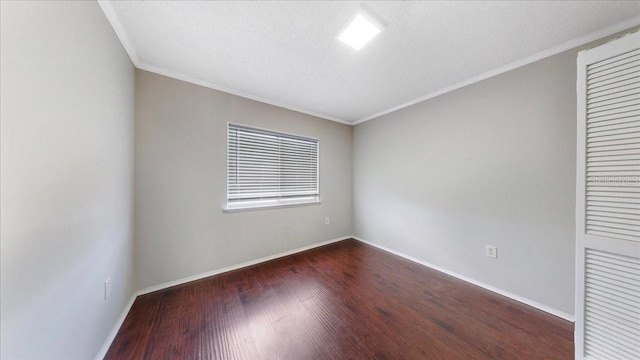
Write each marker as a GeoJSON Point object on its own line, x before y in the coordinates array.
{"type": "Point", "coordinates": [187, 279]}
{"type": "Point", "coordinates": [521, 299]}
{"type": "Point", "coordinates": [127, 308]}
{"type": "Point", "coordinates": [116, 327]}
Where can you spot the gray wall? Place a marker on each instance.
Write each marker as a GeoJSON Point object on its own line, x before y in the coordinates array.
{"type": "Point", "coordinates": [180, 186]}
{"type": "Point", "coordinates": [491, 163]}
{"type": "Point", "coordinates": [67, 95]}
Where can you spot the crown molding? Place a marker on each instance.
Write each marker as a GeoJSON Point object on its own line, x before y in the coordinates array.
{"type": "Point", "coordinates": [122, 35]}
{"type": "Point", "coordinates": [118, 28]}
{"type": "Point", "coordinates": [193, 80]}
{"type": "Point", "coordinates": [610, 30]}
{"type": "Point", "coordinates": [113, 18]}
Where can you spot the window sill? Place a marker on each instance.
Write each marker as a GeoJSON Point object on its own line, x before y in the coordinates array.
{"type": "Point", "coordinates": [268, 205]}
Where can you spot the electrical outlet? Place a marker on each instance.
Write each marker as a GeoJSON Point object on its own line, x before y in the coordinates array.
{"type": "Point", "coordinates": [327, 221]}
{"type": "Point", "coordinates": [107, 288]}
{"type": "Point", "coordinates": [491, 251]}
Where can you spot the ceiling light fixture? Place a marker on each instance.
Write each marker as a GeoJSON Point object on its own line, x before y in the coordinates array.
{"type": "Point", "coordinates": [360, 31]}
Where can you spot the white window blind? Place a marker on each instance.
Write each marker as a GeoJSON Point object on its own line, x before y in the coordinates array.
{"type": "Point", "coordinates": [267, 168]}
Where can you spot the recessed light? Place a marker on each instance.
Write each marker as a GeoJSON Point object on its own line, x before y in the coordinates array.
{"type": "Point", "coordinates": [359, 32]}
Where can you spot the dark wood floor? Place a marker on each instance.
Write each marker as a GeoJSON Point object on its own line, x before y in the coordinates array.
{"type": "Point", "coordinates": [346, 300]}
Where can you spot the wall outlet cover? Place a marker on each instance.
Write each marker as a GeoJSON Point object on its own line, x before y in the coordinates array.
{"type": "Point", "coordinates": [107, 288]}
{"type": "Point", "coordinates": [491, 251]}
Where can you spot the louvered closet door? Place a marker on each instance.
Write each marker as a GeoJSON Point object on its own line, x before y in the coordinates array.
{"type": "Point", "coordinates": [608, 202]}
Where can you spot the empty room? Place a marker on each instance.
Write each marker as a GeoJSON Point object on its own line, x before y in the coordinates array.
{"type": "Point", "coordinates": [320, 180]}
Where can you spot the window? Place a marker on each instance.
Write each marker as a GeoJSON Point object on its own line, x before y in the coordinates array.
{"type": "Point", "coordinates": [266, 168]}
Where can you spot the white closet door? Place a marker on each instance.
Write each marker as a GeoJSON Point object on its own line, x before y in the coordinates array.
{"type": "Point", "coordinates": [608, 202]}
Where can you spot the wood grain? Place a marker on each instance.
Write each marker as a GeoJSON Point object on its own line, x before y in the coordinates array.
{"type": "Point", "coordinates": [346, 300]}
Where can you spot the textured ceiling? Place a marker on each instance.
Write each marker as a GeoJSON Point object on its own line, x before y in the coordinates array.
{"type": "Point", "coordinates": [287, 53]}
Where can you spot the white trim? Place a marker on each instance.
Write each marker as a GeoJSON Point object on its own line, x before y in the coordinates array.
{"type": "Point", "coordinates": [229, 209]}
{"type": "Point", "coordinates": [187, 279]}
{"type": "Point", "coordinates": [580, 209]}
{"type": "Point", "coordinates": [114, 20]}
{"type": "Point", "coordinates": [125, 311]}
{"type": "Point", "coordinates": [214, 86]}
{"type": "Point", "coordinates": [120, 31]}
{"type": "Point", "coordinates": [610, 30]}
{"type": "Point", "coordinates": [521, 299]}
{"type": "Point", "coordinates": [116, 327]}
